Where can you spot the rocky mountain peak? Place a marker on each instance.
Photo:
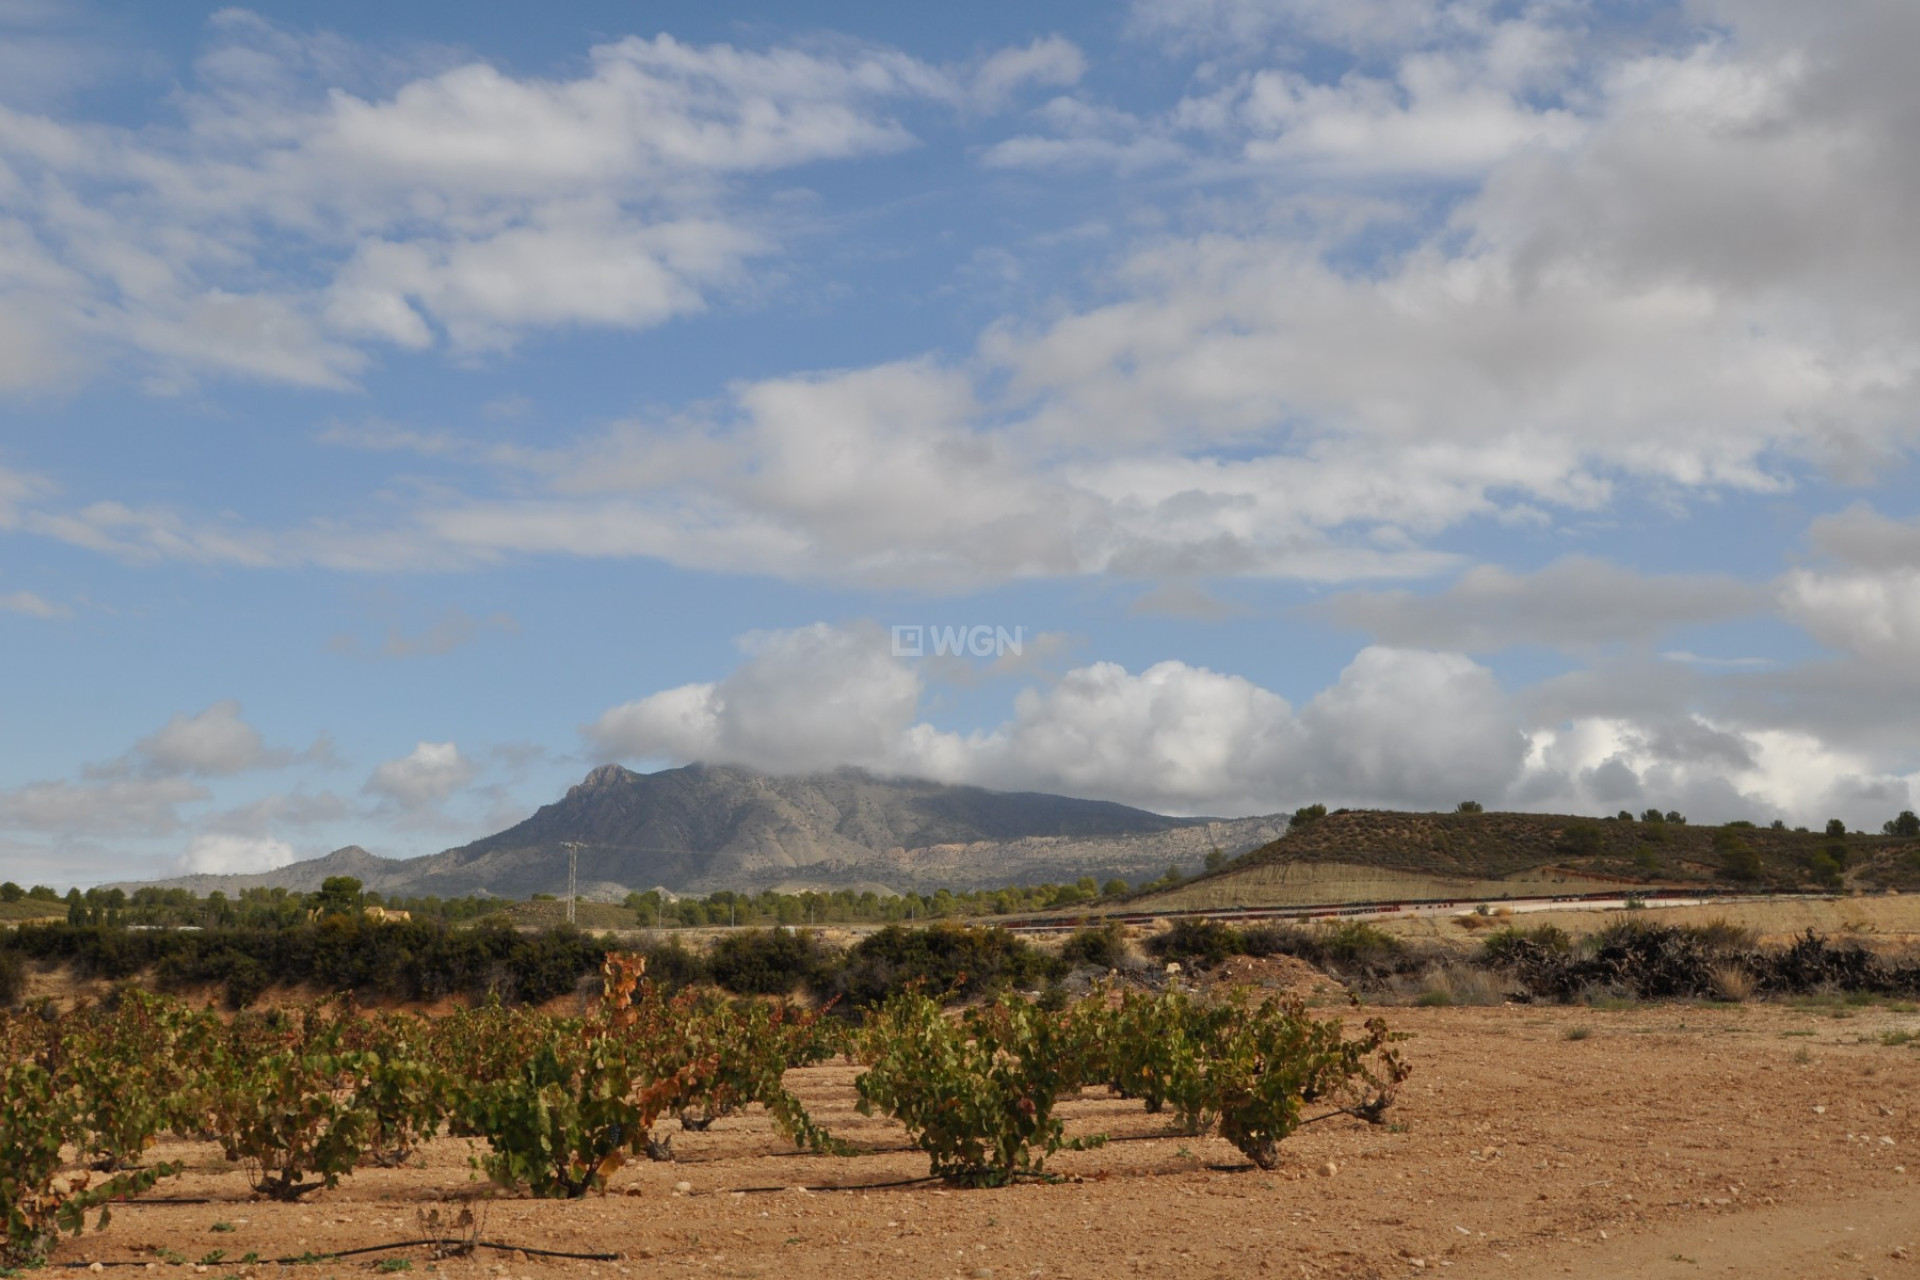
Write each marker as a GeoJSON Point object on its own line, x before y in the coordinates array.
{"type": "Point", "coordinates": [607, 775]}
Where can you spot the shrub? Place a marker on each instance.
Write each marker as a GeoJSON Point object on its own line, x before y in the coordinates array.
{"type": "Point", "coordinates": [1265, 1064]}
{"type": "Point", "coordinates": [767, 962]}
{"type": "Point", "coordinates": [977, 1096]}
{"type": "Point", "coordinates": [1470, 806]}
{"type": "Point", "coordinates": [946, 960]}
{"type": "Point", "coordinates": [1730, 982]}
{"type": "Point", "coordinates": [1720, 935]}
{"type": "Point", "coordinates": [1154, 1049]}
{"type": "Point", "coordinates": [37, 1118]}
{"type": "Point", "coordinates": [1357, 947]}
{"type": "Point", "coordinates": [1503, 946]}
{"type": "Point", "coordinates": [283, 1102]}
{"type": "Point", "coordinates": [565, 1116]}
{"type": "Point", "coordinates": [134, 1066]}
{"type": "Point", "coordinates": [1447, 984]}
{"type": "Point", "coordinates": [723, 1055]}
{"type": "Point", "coordinates": [1306, 816]}
{"type": "Point", "coordinates": [13, 979]}
{"type": "Point", "coordinates": [1583, 839]}
{"type": "Point", "coordinates": [1193, 939]}
{"type": "Point", "coordinates": [403, 1092]}
{"type": "Point", "coordinates": [1096, 947]}
{"type": "Point", "coordinates": [1738, 859]}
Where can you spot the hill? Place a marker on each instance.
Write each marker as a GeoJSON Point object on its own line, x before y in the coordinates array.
{"type": "Point", "coordinates": [707, 827]}
{"type": "Point", "coordinates": [298, 877]}
{"type": "Point", "coordinates": [1377, 855]}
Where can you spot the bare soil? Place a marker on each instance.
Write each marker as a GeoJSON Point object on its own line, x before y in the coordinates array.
{"type": "Point", "coordinates": [1651, 1140]}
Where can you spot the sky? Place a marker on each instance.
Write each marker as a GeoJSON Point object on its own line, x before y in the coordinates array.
{"type": "Point", "coordinates": [1217, 406]}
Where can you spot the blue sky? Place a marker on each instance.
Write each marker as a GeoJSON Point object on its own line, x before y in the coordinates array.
{"type": "Point", "coordinates": [404, 409]}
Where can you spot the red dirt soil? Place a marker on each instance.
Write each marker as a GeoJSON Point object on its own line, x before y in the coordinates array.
{"type": "Point", "coordinates": [1660, 1141]}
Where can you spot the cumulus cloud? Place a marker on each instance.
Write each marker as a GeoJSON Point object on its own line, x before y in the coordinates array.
{"type": "Point", "coordinates": [1399, 724]}
{"type": "Point", "coordinates": [211, 743]}
{"type": "Point", "coordinates": [802, 699]}
{"type": "Point", "coordinates": [423, 778]}
{"type": "Point", "coordinates": [1866, 598]}
{"type": "Point", "coordinates": [1400, 727]}
{"type": "Point", "coordinates": [224, 853]}
{"type": "Point", "coordinates": [1574, 603]}
{"type": "Point", "coordinates": [1661, 274]}
{"type": "Point", "coordinates": [1709, 771]}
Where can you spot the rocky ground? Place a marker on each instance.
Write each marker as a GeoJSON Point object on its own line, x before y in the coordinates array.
{"type": "Point", "coordinates": [1647, 1140]}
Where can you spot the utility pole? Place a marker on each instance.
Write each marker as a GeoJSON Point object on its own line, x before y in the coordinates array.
{"type": "Point", "coordinates": [573, 875]}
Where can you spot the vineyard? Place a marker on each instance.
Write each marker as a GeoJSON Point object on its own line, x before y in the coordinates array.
{"type": "Point", "coordinates": [298, 1099]}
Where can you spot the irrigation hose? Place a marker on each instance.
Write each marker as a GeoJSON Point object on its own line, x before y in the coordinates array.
{"type": "Point", "coordinates": [499, 1245]}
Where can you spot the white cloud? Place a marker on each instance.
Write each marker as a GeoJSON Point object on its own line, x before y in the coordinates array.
{"type": "Point", "coordinates": [1706, 286]}
{"type": "Point", "coordinates": [1362, 25]}
{"type": "Point", "coordinates": [1048, 61]}
{"type": "Point", "coordinates": [1866, 598]}
{"type": "Point", "coordinates": [1411, 727]}
{"type": "Point", "coordinates": [99, 807]}
{"type": "Point", "coordinates": [451, 199]}
{"type": "Point", "coordinates": [423, 778]}
{"type": "Point", "coordinates": [1872, 613]}
{"type": "Point", "coordinates": [1174, 737]}
{"type": "Point", "coordinates": [33, 605]}
{"type": "Point", "coordinates": [802, 699]}
{"type": "Point", "coordinates": [1710, 772]}
{"type": "Point", "coordinates": [223, 853]}
{"type": "Point", "coordinates": [211, 743]}
{"type": "Point", "coordinates": [1400, 727]}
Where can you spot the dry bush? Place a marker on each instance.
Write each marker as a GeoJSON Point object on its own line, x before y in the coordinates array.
{"type": "Point", "coordinates": [1731, 982]}
{"type": "Point", "coordinates": [1448, 984]}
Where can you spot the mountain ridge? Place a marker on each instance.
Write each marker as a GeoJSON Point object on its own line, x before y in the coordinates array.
{"type": "Point", "coordinates": [703, 827]}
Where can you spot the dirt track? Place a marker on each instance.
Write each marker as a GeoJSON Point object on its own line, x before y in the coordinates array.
{"type": "Point", "coordinates": [1658, 1141]}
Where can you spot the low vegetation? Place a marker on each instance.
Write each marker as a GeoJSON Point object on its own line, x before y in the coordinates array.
{"type": "Point", "coordinates": [301, 1098]}
{"type": "Point", "coordinates": [1715, 961]}
{"type": "Point", "coordinates": [1471, 843]}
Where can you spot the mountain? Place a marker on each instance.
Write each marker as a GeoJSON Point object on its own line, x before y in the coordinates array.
{"type": "Point", "coordinates": [299, 877]}
{"type": "Point", "coordinates": [707, 827]}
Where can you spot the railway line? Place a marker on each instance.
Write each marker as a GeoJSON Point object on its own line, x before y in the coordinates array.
{"type": "Point", "coordinates": [1609, 900]}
